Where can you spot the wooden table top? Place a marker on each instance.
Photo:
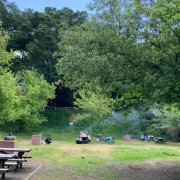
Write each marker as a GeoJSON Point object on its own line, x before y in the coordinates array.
{"type": "Point", "coordinates": [16, 149]}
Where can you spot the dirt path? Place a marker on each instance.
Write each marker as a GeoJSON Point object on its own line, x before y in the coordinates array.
{"type": "Point", "coordinates": [149, 170]}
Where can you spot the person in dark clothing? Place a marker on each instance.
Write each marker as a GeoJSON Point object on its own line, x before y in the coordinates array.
{"type": "Point", "coordinates": [48, 140]}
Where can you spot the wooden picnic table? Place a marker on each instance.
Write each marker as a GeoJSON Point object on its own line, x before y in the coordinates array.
{"type": "Point", "coordinates": [159, 140]}
{"type": "Point", "coordinates": [20, 151]}
{"type": "Point", "coordinates": [4, 158]}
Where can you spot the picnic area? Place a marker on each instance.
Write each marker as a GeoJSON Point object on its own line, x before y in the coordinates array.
{"type": "Point", "coordinates": [64, 159]}
{"type": "Point", "coordinates": [90, 90]}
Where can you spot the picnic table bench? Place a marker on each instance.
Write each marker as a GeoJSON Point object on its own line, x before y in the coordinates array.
{"type": "Point", "coordinates": [3, 159]}
{"type": "Point", "coordinates": [15, 162]}
{"type": "Point", "coordinates": [3, 172]}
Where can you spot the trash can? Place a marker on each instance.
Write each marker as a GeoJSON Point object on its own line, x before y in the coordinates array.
{"type": "Point", "coordinates": [36, 139]}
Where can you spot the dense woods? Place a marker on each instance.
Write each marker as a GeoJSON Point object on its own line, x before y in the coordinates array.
{"type": "Point", "coordinates": [126, 55]}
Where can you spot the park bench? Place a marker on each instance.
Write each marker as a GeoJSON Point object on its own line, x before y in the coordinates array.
{"type": "Point", "coordinates": [3, 172]}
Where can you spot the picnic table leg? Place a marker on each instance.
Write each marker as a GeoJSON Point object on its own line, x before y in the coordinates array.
{"type": "Point", "coordinates": [3, 175]}
{"type": "Point", "coordinates": [3, 165]}
{"type": "Point", "coordinates": [20, 155]}
{"type": "Point", "coordinates": [20, 165]}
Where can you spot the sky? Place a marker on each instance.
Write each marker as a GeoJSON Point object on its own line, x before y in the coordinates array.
{"type": "Point", "coordinates": [39, 5]}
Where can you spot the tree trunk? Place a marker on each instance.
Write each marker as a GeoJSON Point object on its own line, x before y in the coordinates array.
{"type": "Point", "coordinates": [173, 135]}
{"type": "Point", "coordinates": [90, 128]}
{"type": "Point", "coordinates": [20, 126]}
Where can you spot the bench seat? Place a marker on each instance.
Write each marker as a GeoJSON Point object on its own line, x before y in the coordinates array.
{"type": "Point", "coordinates": [9, 163]}
{"type": "Point", "coordinates": [17, 160]}
{"type": "Point", "coordinates": [3, 171]}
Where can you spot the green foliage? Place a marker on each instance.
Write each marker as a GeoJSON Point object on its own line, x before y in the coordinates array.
{"type": "Point", "coordinates": [35, 92]}
{"type": "Point", "coordinates": [23, 96]}
{"type": "Point", "coordinates": [5, 56]}
{"type": "Point", "coordinates": [161, 36]}
{"type": "Point", "coordinates": [129, 100]}
{"type": "Point", "coordinates": [129, 47]}
{"type": "Point", "coordinates": [59, 118]}
{"type": "Point", "coordinates": [9, 97]}
{"type": "Point", "coordinates": [35, 35]}
{"type": "Point", "coordinates": [9, 90]}
{"type": "Point", "coordinates": [170, 120]}
{"type": "Point", "coordinates": [95, 105]}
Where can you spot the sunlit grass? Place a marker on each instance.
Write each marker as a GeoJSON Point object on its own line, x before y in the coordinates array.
{"type": "Point", "coordinates": [82, 158]}
{"type": "Point", "coordinates": [92, 158]}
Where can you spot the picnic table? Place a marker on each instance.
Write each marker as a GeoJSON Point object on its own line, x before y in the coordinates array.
{"type": "Point", "coordinates": [159, 140]}
{"type": "Point", "coordinates": [20, 151]}
{"type": "Point", "coordinates": [3, 159]}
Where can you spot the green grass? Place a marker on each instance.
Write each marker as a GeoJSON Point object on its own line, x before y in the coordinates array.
{"type": "Point", "coordinates": [63, 154]}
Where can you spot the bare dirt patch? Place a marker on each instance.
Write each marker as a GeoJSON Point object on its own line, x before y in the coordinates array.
{"type": "Point", "coordinates": [78, 150]}
{"type": "Point", "coordinates": [149, 170]}
{"type": "Point", "coordinates": [77, 147]}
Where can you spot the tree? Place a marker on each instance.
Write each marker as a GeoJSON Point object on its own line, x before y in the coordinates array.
{"type": "Point", "coordinates": [170, 120]}
{"type": "Point", "coordinates": [139, 56]}
{"type": "Point", "coordinates": [160, 31]}
{"type": "Point", "coordinates": [35, 93]}
{"type": "Point", "coordinates": [9, 96]}
{"type": "Point", "coordinates": [8, 85]}
{"type": "Point", "coordinates": [5, 57]}
{"type": "Point", "coordinates": [24, 95]}
{"type": "Point", "coordinates": [34, 37]}
{"type": "Point", "coordinates": [94, 105]}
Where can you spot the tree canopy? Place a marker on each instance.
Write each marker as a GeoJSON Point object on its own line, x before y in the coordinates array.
{"type": "Point", "coordinates": [23, 95]}
{"type": "Point", "coordinates": [130, 47]}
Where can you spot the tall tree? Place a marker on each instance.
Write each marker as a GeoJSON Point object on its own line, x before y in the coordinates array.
{"type": "Point", "coordinates": [169, 116]}
{"type": "Point", "coordinates": [140, 59]}
{"type": "Point", "coordinates": [23, 96]}
{"type": "Point", "coordinates": [34, 37]}
{"type": "Point", "coordinates": [95, 106]}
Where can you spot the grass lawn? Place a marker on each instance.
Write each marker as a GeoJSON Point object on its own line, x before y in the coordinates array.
{"type": "Point", "coordinates": [63, 159]}
{"type": "Point", "coordinates": [92, 160]}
